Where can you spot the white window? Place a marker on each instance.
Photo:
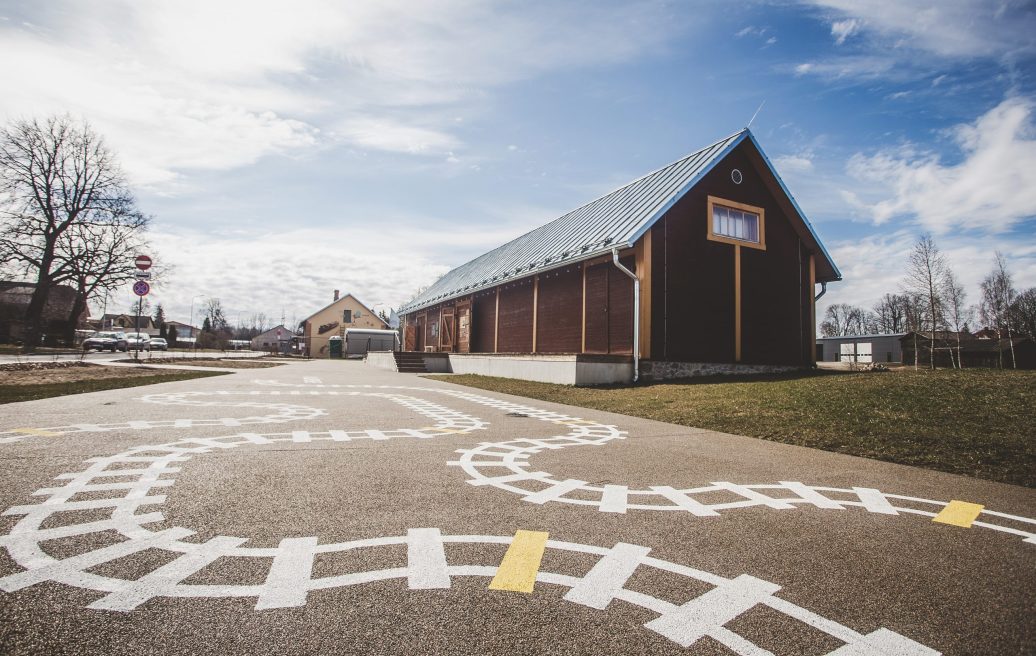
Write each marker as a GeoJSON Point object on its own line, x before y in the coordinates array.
{"type": "Point", "coordinates": [736, 224]}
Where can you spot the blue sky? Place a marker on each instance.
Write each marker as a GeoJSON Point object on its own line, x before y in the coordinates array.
{"type": "Point", "coordinates": [289, 149]}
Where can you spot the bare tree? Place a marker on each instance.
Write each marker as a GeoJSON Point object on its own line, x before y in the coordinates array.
{"type": "Point", "coordinates": [958, 314]}
{"type": "Point", "coordinates": [926, 269]}
{"type": "Point", "coordinates": [98, 258]}
{"type": "Point", "coordinates": [843, 319]}
{"type": "Point", "coordinates": [890, 315]}
{"type": "Point", "coordinates": [998, 296]}
{"type": "Point", "coordinates": [214, 313]}
{"type": "Point", "coordinates": [1023, 313]}
{"type": "Point", "coordinates": [915, 319]}
{"type": "Point", "coordinates": [55, 176]}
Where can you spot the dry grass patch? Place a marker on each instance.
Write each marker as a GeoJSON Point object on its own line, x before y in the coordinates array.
{"type": "Point", "coordinates": [47, 379]}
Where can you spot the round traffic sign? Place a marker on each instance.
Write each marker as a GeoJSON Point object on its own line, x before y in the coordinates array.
{"type": "Point", "coordinates": [143, 262]}
{"type": "Point", "coordinates": [141, 288]}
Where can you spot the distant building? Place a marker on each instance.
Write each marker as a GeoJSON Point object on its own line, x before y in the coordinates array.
{"type": "Point", "coordinates": [332, 320]}
{"type": "Point", "coordinates": [862, 349]}
{"type": "Point", "coordinates": [973, 351]}
{"type": "Point", "coordinates": [128, 323]}
{"type": "Point", "coordinates": [274, 340]}
{"type": "Point", "coordinates": [183, 330]}
{"type": "Point", "coordinates": [58, 323]}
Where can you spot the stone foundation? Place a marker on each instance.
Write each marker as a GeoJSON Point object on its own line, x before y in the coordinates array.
{"type": "Point", "coordinates": [653, 370]}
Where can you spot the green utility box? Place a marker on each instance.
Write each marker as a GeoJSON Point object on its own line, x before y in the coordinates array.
{"type": "Point", "coordinates": [334, 347]}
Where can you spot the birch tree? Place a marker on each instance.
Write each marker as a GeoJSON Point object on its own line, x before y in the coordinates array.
{"type": "Point", "coordinates": [926, 269]}
{"type": "Point", "coordinates": [958, 314]}
{"type": "Point", "coordinates": [998, 296]}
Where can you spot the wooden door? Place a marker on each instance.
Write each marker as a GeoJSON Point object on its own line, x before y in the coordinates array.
{"type": "Point", "coordinates": [464, 327]}
{"type": "Point", "coordinates": [419, 337]}
{"type": "Point", "coordinates": [447, 332]}
{"type": "Point", "coordinates": [410, 338]}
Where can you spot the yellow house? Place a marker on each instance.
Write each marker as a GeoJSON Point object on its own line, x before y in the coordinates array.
{"type": "Point", "coordinates": [332, 320]}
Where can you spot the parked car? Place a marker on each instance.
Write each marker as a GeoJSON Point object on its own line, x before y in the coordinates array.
{"type": "Point", "coordinates": [159, 344]}
{"type": "Point", "coordinates": [106, 341]}
{"type": "Point", "coordinates": [138, 341]}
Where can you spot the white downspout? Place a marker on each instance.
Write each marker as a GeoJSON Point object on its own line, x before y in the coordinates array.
{"type": "Point", "coordinates": [636, 313]}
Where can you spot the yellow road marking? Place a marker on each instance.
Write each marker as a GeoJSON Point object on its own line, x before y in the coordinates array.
{"type": "Point", "coordinates": [959, 513]}
{"type": "Point", "coordinates": [35, 431]}
{"type": "Point", "coordinates": [521, 563]}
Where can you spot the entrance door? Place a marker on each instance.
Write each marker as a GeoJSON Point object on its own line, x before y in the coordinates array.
{"type": "Point", "coordinates": [464, 327]}
{"type": "Point", "coordinates": [447, 328]}
{"type": "Point", "coordinates": [419, 337]}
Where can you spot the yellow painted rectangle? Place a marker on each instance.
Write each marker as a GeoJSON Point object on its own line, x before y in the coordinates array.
{"type": "Point", "coordinates": [521, 563]}
{"type": "Point", "coordinates": [35, 431]}
{"type": "Point", "coordinates": [959, 513]}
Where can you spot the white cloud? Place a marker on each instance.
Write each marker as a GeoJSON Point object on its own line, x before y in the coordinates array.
{"type": "Point", "coordinates": [947, 28]}
{"type": "Point", "coordinates": [197, 85]}
{"type": "Point", "coordinates": [991, 188]}
{"type": "Point", "coordinates": [389, 135]}
{"type": "Point", "coordinates": [801, 163]}
{"type": "Point", "coordinates": [843, 29]}
{"type": "Point", "coordinates": [873, 266]}
{"type": "Point", "coordinates": [862, 66]}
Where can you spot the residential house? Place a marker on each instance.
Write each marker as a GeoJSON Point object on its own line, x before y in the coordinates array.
{"type": "Point", "coordinates": [333, 319]}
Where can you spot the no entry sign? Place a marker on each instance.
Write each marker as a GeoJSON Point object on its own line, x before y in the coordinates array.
{"type": "Point", "coordinates": [143, 262]}
{"type": "Point", "coordinates": [141, 288]}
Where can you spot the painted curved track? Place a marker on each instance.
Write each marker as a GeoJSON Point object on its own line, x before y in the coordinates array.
{"type": "Point", "coordinates": [487, 524]}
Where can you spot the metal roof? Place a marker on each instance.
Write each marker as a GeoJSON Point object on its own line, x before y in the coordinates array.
{"type": "Point", "coordinates": [616, 220]}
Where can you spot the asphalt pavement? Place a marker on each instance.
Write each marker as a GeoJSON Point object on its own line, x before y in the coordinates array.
{"type": "Point", "coordinates": [330, 507]}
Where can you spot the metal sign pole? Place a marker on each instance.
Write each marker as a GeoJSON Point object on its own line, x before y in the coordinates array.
{"type": "Point", "coordinates": [140, 307]}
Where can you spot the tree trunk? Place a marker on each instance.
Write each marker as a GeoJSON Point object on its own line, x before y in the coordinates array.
{"type": "Point", "coordinates": [917, 354]}
{"type": "Point", "coordinates": [37, 304]}
{"type": "Point", "coordinates": [73, 320]}
{"type": "Point", "coordinates": [960, 362]}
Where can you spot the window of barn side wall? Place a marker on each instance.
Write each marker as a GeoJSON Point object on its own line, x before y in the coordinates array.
{"type": "Point", "coordinates": [736, 223]}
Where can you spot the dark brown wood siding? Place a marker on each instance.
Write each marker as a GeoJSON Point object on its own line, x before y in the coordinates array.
{"type": "Point", "coordinates": [559, 311]}
{"type": "Point", "coordinates": [609, 308]}
{"type": "Point", "coordinates": [483, 319]}
{"type": "Point", "coordinates": [597, 308]}
{"type": "Point", "coordinates": [516, 318]}
{"type": "Point", "coordinates": [693, 278]}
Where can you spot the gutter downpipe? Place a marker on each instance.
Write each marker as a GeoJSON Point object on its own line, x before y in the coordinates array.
{"type": "Point", "coordinates": [823, 290]}
{"type": "Point", "coordinates": [636, 313]}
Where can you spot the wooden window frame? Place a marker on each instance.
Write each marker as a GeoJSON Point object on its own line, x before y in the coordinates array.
{"type": "Point", "coordinates": [712, 236]}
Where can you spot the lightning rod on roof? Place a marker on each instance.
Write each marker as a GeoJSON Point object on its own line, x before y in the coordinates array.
{"type": "Point", "coordinates": [756, 114]}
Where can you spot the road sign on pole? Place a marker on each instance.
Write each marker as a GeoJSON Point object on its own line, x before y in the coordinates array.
{"type": "Point", "coordinates": [142, 262]}
{"type": "Point", "coordinates": [143, 275]}
{"type": "Point", "coordinates": [141, 288]}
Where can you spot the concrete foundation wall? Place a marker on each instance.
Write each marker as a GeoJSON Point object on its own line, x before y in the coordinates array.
{"type": "Point", "coordinates": [437, 363]}
{"type": "Point", "coordinates": [651, 370]}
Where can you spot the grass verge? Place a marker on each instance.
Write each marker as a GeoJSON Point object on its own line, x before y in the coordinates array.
{"type": "Point", "coordinates": [977, 423]}
{"type": "Point", "coordinates": [90, 380]}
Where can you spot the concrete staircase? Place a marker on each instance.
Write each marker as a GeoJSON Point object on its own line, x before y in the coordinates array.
{"type": "Point", "coordinates": [410, 362]}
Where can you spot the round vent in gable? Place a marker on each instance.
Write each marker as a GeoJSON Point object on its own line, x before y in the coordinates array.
{"type": "Point", "coordinates": [735, 175]}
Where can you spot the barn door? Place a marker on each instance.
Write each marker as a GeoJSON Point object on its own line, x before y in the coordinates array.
{"type": "Point", "coordinates": [419, 337]}
{"type": "Point", "coordinates": [410, 338]}
{"type": "Point", "coordinates": [447, 329]}
{"type": "Point", "coordinates": [464, 327]}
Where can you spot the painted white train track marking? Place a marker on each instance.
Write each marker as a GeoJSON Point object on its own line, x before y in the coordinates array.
{"type": "Point", "coordinates": [136, 473]}
{"type": "Point", "coordinates": [505, 466]}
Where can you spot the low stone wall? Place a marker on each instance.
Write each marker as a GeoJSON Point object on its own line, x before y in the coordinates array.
{"type": "Point", "coordinates": [381, 360]}
{"type": "Point", "coordinates": [558, 369]}
{"type": "Point", "coordinates": [653, 370]}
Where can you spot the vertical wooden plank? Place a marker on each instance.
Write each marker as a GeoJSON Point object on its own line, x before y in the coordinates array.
{"type": "Point", "coordinates": [644, 273]}
{"type": "Point", "coordinates": [535, 308]}
{"type": "Point", "coordinates": [496, 321]}
{"type": "Point", "coordinates": [583, 347]}
{"type": "Point", "coordinates": [737, 303]}
{"type": "Point", "coordinates": [812, 332]}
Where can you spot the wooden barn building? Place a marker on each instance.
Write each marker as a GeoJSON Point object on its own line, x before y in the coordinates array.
{"type": "Point", "coordinates": [706, 265]}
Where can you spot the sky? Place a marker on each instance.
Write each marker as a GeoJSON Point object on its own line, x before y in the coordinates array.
{"type": "Point", "coordinates": [288, 149]}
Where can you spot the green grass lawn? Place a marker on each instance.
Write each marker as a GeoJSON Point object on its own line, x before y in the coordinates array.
{"type": "Point", "coordinates": [11, 393]}
{"type": "Point", "coordinates": [978, 423]}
